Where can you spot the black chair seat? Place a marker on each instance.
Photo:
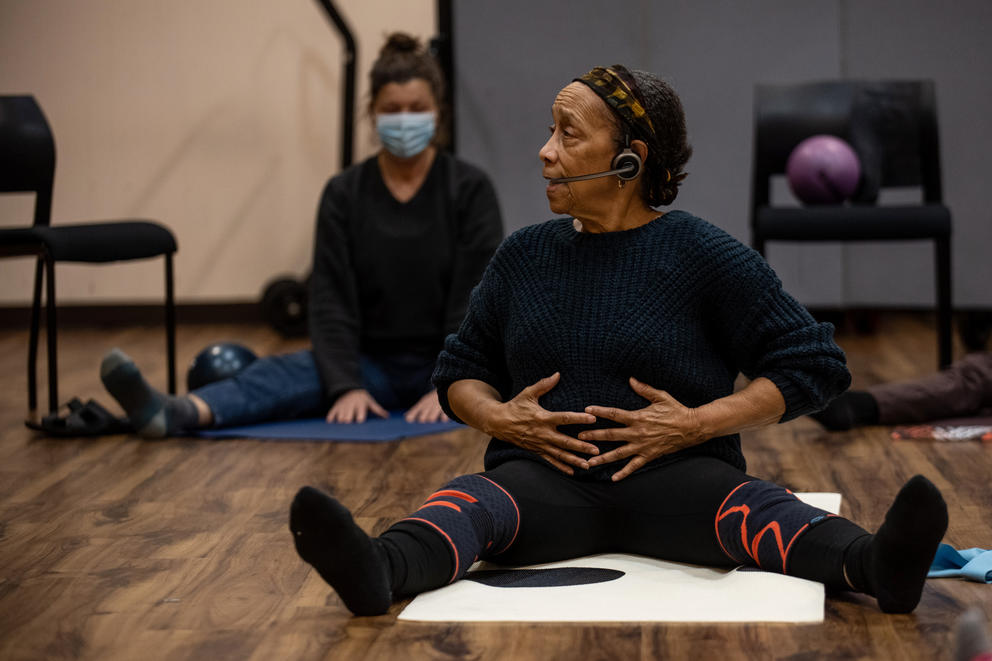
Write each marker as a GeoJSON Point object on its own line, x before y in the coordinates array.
{"type": "Point", "coordinates": [105, 242]}
{"type": "Point", "coordinates": [16, 241]}
{"type": "Point", "coordinates": [853, 223]}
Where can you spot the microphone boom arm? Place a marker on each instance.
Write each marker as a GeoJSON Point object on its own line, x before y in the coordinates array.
{"type": "Point", "coordinates": [595, 175]}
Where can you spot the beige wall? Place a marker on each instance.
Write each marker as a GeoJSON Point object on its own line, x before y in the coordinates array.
{"type": "Point", "coordinates": [219, 118]}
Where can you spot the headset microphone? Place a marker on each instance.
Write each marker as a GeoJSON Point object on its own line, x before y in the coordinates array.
{"type": "Point", "coordinates": [626, 166]}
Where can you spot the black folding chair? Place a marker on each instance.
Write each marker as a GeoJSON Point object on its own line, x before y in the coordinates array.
{"type": "Point", "coordinates": [892, 125]}
{"type": "Point", "coordinates": [27, 165]}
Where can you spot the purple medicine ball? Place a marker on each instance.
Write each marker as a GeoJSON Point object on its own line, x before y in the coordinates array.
{"type": "Point", "coordinates": [823, 170]}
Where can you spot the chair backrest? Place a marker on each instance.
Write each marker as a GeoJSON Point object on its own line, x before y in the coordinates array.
{"type": "Point", "coordinates": [892, 125]}
{"type": "Point", "coordinates": [27, 153]}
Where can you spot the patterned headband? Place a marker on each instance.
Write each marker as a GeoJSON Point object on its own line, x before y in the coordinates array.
{"type": "Point", "coordinates": [616, 86]}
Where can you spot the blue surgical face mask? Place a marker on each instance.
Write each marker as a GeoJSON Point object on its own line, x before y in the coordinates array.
{"type": "Point", "coordinates": [405, 134]}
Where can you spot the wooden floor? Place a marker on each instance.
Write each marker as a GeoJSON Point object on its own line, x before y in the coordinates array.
{"type": "Point", "coordinates": [116, 548]}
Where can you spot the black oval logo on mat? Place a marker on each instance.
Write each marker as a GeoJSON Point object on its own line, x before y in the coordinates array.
{"type": "Point", "coordinates": [543, 578]}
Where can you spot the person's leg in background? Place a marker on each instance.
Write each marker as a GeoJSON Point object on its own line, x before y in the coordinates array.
{"type": "Point", "coordinates": [397, 381]}
{"type": "Point", "coordinates": [409, 376]}
{"type": "Point", "coordinates": [274, 387]}
{"type": "Point", "coordinates": [962, 390]}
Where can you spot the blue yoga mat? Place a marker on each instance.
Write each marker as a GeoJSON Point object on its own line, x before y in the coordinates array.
{"type": "Point", "coordinates": [374, 430]}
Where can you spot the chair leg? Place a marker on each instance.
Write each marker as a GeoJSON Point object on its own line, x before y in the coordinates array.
{"type": "Point", "coordinates": [39, 275]}
{"type": "Point", "coordinates": [170, 323]}
{"type": "Point", "coordinates": [944, 305]}
{"type": "Point", "coordinates": [51, 335]}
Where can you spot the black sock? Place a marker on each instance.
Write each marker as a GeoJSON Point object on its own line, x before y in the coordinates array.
{"type": "Point", "coordinates": [420, 558]}
{"type": "Point", "coordinates": [892, 564]}
{"type": "Point", "coordinates": [152, 413]}
{"type": "Point", "coordinates": [854, 408]}
{"type": "Point", "coordinates": [351, 562]}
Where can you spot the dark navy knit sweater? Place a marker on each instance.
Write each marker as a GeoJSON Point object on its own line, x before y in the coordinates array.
{"type": "Point", "coordinates": [677, 303]}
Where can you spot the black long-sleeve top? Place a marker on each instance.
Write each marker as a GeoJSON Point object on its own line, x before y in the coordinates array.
{"type": "Point", "coordinates": [677, 303]}
{"type": "Point", "coordinates": [394, 277]}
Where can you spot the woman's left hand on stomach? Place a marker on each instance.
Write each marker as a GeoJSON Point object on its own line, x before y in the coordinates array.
{"type": "Point", "coordinates": [662, 427]}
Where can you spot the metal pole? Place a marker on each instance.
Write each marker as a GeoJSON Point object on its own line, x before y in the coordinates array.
{"type": "Point", "coordinates": [444, 47]}
{"type": "Point", "coordinates": [350, 59]}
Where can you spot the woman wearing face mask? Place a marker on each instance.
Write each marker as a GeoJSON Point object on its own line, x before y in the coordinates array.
{"type": "Point", "coordinates": [401, 239]}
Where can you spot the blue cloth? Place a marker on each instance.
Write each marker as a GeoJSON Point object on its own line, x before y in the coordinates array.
{"type": "Point", "coordinates": [373, 430]}
{"type": "Point", "coordinates": [288, 386]}
{"type": "Point", "coordinates": [677, 303]}
{"type": "Point", "coordinates": [973, 564]}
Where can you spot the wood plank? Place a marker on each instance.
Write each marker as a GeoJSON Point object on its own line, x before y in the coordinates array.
{"type": "Point", "coordinates": [117, 548]}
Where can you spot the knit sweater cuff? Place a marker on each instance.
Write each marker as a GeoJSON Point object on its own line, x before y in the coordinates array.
{"type": "Point", "coordinates": [797, 402]}
{"type": "Point", "coordinates": [442, 397]}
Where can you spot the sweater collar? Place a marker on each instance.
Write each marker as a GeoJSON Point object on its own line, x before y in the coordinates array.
{"type": "Point", "coordinates": [568, 232]}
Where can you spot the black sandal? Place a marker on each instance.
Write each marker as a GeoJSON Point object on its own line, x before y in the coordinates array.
{"type": "Point", "coordinates": [77, 419]}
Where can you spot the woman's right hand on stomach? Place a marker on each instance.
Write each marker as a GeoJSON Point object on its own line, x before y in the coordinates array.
{"type": "Point", "coordinates": [525, 423]}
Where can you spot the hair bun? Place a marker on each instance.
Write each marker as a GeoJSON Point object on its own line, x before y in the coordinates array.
{"type": "Point", "coordinates": [400, 42]}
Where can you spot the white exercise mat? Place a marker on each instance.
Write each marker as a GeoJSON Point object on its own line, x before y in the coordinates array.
{"type": "Point", "coordinates": [650, 590]}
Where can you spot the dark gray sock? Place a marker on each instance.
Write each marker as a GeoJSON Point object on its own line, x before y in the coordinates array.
{"type": "Point", "coordinates": [153, 414]}
{"type": "Point", "coordinates": [355, 565]}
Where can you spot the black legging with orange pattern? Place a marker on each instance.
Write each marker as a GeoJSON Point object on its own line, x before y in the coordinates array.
{"type": "Point", "coordinates": [699, 510]}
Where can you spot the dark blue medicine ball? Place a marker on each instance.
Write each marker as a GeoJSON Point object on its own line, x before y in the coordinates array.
{"type": "Point", "coordinates": [217, 361]}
